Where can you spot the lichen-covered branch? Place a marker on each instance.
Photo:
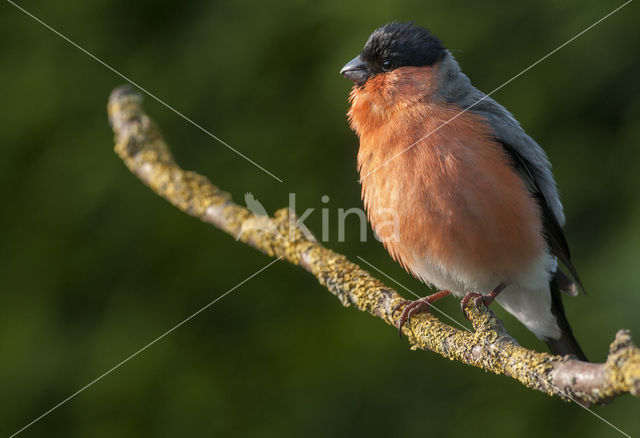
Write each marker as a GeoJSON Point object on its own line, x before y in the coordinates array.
{"type": "Point", "coordinates": [141, 146]}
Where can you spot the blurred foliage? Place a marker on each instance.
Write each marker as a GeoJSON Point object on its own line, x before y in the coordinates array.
{"type": "Point", "coordinates": [94, 266]}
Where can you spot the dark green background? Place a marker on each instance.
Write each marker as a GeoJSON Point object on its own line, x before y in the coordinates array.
{"type": "Point", "coordinates": [93, 265]}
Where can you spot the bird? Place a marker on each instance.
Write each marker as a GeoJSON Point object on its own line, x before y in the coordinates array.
{"type": "Point", "coordinates": [475, 208]}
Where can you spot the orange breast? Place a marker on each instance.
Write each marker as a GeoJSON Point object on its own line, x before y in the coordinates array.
{"type": "Point", "coordinates": [455, 196]}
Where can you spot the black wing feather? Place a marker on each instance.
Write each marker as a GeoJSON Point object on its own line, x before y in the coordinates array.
{"type": "Point", "coordinates": [566, 343]}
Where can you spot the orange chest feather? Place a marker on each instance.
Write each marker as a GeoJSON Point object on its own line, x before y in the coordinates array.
{"type": "Point", "coordinates": [453, 197]}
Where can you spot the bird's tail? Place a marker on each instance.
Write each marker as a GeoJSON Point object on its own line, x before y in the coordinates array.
{"type": "Point", "coordinates": [567, 343]}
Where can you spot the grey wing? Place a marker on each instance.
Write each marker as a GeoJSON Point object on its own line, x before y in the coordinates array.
{"type": "Point", "coordinates": [529, 159]}
{"type": "Point", "coordinates": [508, 130]}
{"type": "Point", "coordinates": [456, 88]}
{"type": "Point", "coordinates": [460, 91]}
{"type": "Point", "coordinates": [552, 229]}
{"type": "Point", "coordinates": [533, 166]}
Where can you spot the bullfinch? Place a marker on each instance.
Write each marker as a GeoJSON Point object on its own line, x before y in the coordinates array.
{"type": "Point", "coordinates": [476, 209]}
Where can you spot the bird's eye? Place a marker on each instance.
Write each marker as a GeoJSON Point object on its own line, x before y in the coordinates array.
{"type": "Point", "coordinates": [388, 64]}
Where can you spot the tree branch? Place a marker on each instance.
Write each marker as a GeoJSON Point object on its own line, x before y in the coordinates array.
{"type": "Point", "coordinates": [141, 146]}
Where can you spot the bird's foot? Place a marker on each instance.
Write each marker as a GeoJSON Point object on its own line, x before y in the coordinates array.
{"type": "Point", "coordinates": [413, 307]}
{"type": "Point", "coordinates": [480, 298]}
{"type": "Point", "coordinates": [477, 299]}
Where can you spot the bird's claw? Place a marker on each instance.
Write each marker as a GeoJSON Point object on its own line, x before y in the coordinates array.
{"type": "Point", "coordinates": [410, 308]}
{"type": "Point", "coordinates": [477, 299]}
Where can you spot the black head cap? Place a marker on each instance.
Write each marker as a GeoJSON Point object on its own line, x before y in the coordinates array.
{"type": "Point", "coordinates": [401, 44]}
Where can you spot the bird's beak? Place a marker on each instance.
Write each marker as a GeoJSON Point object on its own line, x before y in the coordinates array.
{"type": "Point", "coordinates": [356, 71]}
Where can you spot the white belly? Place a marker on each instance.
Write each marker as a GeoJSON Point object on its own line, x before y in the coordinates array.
{"type": "Point", "coordinates": [526, 296]}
